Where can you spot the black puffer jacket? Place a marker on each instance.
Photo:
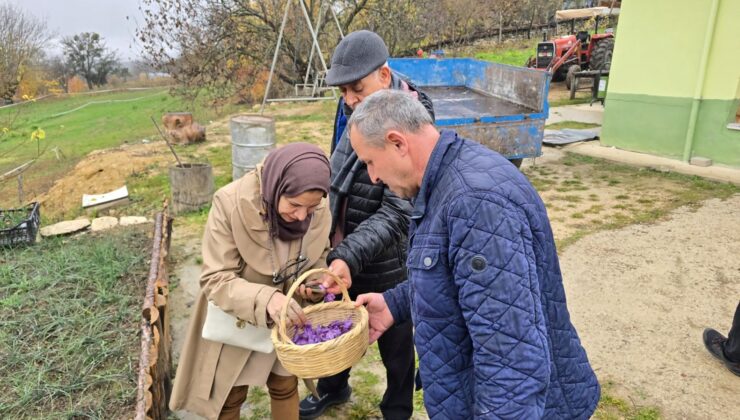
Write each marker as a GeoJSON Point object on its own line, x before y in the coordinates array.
{"type": "Point", "coordinates": [376, 220]}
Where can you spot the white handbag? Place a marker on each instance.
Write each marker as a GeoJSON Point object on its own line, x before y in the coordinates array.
{"type": "Point", "coordinates": [228, 329]}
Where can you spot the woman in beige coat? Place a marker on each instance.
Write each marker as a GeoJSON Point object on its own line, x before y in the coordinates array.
{"type": "Point", "coordinates": [263, 230]}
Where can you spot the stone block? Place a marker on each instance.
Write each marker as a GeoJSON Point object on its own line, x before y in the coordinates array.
{"type": "Point", "coordinates": [103, 223]}
{"type": "Point", "coordinates": [65, 228]}
{"type": "Point", "coordinates": [132, 220]}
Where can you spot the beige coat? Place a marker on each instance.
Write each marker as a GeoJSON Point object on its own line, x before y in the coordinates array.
{"type": "Point", "coordinates": [237, 277]}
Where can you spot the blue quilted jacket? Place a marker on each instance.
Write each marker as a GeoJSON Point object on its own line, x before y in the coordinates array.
{"type": "Point", "coordinates": [485, 293]}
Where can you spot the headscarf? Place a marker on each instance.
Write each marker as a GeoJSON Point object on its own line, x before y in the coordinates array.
{"type": "Point", "coordinates": [290, 171]}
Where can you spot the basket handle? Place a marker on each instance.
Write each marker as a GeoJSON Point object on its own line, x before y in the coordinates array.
{"type": "Point", "coordinates": [282, 329]}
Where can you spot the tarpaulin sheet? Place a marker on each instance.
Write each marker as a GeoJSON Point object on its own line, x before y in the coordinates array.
{"type": "Point", "coordinates": [570, 135]}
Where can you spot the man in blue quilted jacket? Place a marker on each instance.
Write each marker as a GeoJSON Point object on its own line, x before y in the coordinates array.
{"type": "Point", "coordinates": [485, 292]}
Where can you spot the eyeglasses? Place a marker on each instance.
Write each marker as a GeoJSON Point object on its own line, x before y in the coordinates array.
{"type": "Point", "coordinates": [291, 270]}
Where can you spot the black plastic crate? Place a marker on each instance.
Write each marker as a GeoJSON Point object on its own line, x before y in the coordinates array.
{"type": "Point", "coordinates": [19, 226]}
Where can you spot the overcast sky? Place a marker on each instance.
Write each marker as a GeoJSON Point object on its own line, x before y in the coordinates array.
{"type": "Point", "coordinates": [106, 17]}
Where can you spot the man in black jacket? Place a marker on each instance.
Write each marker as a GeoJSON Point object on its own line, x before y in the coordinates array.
{"type": "Point", "coordinates": [369, 224]}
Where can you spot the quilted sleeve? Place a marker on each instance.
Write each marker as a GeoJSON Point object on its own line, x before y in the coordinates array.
{"type": "Point", "coordinates": [492, 259]}
{"type": "Point", "coordinates": [399, 302]}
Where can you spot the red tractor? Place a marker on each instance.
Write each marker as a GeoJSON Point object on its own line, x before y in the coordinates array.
{"type": "Point", "coordinates": [565, 56]}
{"type": "Point", "coordinates": [572, 53]}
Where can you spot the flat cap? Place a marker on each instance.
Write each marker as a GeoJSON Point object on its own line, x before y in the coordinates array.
{"type": "Point", "coordinates": [356, 56]}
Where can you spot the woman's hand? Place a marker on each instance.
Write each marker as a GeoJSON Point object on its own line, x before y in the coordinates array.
{"type": "Point", "coordinates": [295, 315]}
{"type": "Point", "coordinates": [312, 291]}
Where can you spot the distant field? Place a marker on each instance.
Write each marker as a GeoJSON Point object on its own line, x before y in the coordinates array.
{"type": "Point", "coordinates": [109, 120]}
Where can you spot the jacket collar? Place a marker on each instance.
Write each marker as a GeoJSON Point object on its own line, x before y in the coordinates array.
{"type": "Point", "coordinates": [250, 206]}
{"type": "Point", "coordinates": [434, 167]}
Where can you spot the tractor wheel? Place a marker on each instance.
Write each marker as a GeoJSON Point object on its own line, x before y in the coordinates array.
{"type": "Point", "coordinates": [601, 56]}
{"type": "Point", "coordinates": [569, 76]}
{"type": "Point", "coordinates": [559, 75]}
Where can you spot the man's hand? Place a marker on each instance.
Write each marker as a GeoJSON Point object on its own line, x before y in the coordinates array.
{"type": "Point", "coordinates": [380, 318]}
{"type": "Point", "coordinates": [295, 315]}
{"type": "Point", "coordinates": [341, 270]}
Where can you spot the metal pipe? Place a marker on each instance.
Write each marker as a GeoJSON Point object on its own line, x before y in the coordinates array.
{"type": "Point", "coordinates": [336, 20]}
{"type": "Point", "coordinates": [275, 56]}
{"type": "Point", "coordinates": [315, 40]}
{"type": "Point", "coordinates": [310, 56]}
{"type": "Point", "coordinates": [698, 90]}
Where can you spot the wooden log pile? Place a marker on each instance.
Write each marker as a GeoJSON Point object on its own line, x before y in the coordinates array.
{"type": "Point", "coordinates": [181, 129]}
{"type": "Point", "coordinates": [155, 360]}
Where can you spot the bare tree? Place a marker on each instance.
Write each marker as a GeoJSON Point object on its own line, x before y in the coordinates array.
{"type": "Point", "coordinates": [21, 38]}
{"type": "Point", "coordinates": [222, 47]}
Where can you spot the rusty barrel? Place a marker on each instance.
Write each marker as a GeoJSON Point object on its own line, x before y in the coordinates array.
{"type": "Point", "coordinates": [252, 138]}
{"type": "Point", "coordinates": [192, 186]}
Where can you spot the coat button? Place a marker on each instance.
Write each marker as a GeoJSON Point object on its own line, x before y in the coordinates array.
{"type": "Point", "coordinates": [427, 261]}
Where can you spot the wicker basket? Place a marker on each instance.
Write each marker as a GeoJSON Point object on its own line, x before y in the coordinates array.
{"type": "Point", "coordinates": [330, 357]}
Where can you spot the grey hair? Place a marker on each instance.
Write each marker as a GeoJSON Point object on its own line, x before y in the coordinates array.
{"type": "Point", "coordinates": [385, 110]}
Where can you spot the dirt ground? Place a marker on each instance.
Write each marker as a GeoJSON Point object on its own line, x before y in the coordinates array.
{"type": "Point", "coordinates": [640, 298]}
{"type": "Point", "coordinates": [100, 172]}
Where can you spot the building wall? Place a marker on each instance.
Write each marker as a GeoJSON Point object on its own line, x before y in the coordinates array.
{"type": "Point", "coordinates": [654, 74]}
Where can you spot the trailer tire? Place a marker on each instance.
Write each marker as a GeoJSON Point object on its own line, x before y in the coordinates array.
{"type": "Point", "coordinates": [516, 162]}
{"type": "Point", "coordinates": [601, 57]}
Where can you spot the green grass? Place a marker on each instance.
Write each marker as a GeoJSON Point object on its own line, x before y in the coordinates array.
{"type": "Point", "coordinates": [516, 55]}
{"type": "Point", "coordinates": [614, 408]}
{"type": "Point", "coordinates": [70, 311]}
{"type": "Point", "coordinates": [679, 190]}
{"type": "Point", "coordinates": [97, 126]}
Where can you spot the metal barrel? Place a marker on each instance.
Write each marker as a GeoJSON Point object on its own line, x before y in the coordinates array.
{"type": "Point", "coordinates": [252, 138]}
{"type": "Point", "coordinates": [192, 186]}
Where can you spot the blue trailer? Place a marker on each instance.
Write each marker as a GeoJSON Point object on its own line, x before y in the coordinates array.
{"type": "Point", "coordinates": [503, 107]}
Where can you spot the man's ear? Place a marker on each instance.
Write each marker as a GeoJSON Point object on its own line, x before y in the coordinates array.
{"type": "Point", "coordinates": [398, 141]}
{"type": "Point", "coordinates": [385, 75]}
